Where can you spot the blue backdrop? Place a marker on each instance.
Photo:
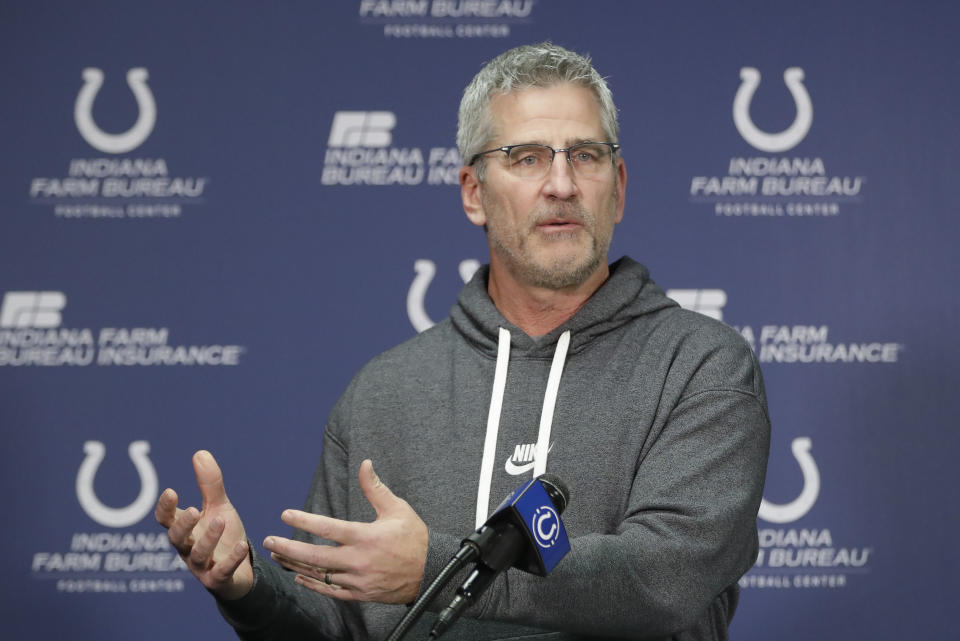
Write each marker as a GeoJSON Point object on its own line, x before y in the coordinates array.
{"type": "Point", "coordinates": [211, 214]}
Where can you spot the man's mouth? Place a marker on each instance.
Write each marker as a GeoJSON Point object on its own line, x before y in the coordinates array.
{"type": "Point", "coordinates": [559, 224]}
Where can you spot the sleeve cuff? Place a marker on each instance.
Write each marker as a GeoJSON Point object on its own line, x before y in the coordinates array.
{"type": "Point", "coordinates": [440, 549]}
{"type": "Point", "coordinates": [254, 609]}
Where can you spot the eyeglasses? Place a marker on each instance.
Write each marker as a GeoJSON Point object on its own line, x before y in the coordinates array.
{"type": "Point", "coordinates": [588, 159]}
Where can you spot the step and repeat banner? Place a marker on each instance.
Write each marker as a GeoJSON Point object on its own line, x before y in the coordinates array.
{"type": "Point", "coordinates": [212, 214]}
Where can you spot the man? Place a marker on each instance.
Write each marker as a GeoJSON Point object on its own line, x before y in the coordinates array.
{"type": "Point", "coordinates": [654, 416]}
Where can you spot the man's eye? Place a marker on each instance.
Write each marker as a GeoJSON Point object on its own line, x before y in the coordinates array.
{"type": "Point", "coordinates": [529, 160]}
{"type": "Point", "coordinates": [586, 155]}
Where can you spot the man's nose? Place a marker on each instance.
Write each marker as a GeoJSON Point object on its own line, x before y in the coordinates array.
{"type": "Point", "coordinates": [560, 182]}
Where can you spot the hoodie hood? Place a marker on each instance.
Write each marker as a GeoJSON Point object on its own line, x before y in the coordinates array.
{"type": "Point", "coordinates": [626, 294]}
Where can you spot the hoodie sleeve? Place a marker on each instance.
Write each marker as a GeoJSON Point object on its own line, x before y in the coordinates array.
{"type": "Point", "coordinates": [689, 527]}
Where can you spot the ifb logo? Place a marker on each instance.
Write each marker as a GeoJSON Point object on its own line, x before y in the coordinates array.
{"type": "Point", "coordinates": [545, 526]}
{"type": "Point", "coordinates": [789, 137]}
{"type": "Point", "coordinates": [709, 302]}
{"type": "Point", "coordinates": [362, 129]}
{"type": "Point", "coordinates": [115, 143]}
{"type": "Point", "coordinates": [38, 310]}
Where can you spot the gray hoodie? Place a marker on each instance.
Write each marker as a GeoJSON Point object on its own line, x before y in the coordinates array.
{"type": "Point", "coordinates": [654, 416]}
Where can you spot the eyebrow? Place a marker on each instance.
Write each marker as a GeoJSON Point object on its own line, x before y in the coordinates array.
{"type": "Point", "coordinates": [566, 145]}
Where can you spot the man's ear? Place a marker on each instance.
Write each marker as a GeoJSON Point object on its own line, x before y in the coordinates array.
{"type": "Point", "coordinates": [470, 195]}
{"type": "Point", "coordinates": [621, 187]}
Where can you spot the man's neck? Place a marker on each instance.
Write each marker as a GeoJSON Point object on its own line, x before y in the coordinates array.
{"type": "Point", "coordinates": [539, 310]}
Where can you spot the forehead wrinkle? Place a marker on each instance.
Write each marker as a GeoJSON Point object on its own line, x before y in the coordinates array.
{"type": "Point", "coordinates": [541, 134]}
{"type": "Point", "coordinates": [557, 117]}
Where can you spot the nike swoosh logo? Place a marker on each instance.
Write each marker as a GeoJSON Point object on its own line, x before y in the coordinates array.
{"type": "Point", "coordinates": [516, 469]}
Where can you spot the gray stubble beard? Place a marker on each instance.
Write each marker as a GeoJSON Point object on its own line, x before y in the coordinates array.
{"type": "Point", "coordinates": [562, 273]}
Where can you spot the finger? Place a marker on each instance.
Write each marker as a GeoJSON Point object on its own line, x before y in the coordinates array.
{"type": "Point", "coordinates": [318, 556]}
{"type": "Point", "coordinates": [209, 479]}
{"type": "Point", "coordinates": [340, 580]}
{"type": "Point", "coordinates": [166, 510]}
{"type": "Point", "coordinates": [377, 493]}
{"type": "Point", "coordinates": [323, 526]}
{"type": "Point", "coordinates": [327, 576]}
{"type": "Point", "coordinates": [179, 533]}
{"type": "Point", "coordinates": [225, 568]}
{"type": "Point", "coordinates": [331, 590]}
{"type": "Point", "coordinates": [201, 553]}
{"type": "Point", "coordinates": [299, 566]}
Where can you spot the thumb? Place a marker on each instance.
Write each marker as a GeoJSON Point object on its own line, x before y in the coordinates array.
{"type": "Point", "coordinates": [377, 493]}
{"type": "Point", "coordinates": [209, 479]}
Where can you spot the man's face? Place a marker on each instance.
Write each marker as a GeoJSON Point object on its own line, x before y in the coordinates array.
{"type": "Point", "coordinates": [552, 232]}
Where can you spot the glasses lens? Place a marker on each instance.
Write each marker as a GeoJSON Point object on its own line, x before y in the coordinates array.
{"type": "Point", "coordinates": [530, 161]}
{"type": "Point", "coordinates": [590, 158]}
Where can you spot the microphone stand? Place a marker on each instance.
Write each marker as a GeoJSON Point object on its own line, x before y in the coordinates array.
{"type": "Point", "coordinates": [469, 551]}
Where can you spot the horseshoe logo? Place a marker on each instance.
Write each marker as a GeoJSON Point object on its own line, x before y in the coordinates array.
{"type": "Point", "coordinates": [425, 270]}
{"type": "Point", "coordinates": [808, 496]}
{"type": "Point", "coordinates": [786, 139]}
{"type": "Point", "coordinates": [115, 143]}
{"type": "Point", "coordinates": [116, 517]}
{"type": "Point", "coordinates": [546, 514]}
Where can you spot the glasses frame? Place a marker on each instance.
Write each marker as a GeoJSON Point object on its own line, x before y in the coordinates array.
{"type": "Point", "coordinates": [614, 148]}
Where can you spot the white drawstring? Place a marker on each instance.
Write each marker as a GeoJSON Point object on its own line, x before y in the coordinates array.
{"type": "Point", "coordinates": [493, 418]}
{"type": "Point", "coordinates": [493, 426]}
{"type": "Point", "coordinates": [549, 402]}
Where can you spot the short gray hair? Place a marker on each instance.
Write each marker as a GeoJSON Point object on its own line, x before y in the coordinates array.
{"type": "Point", "coordinates": [528, 66]}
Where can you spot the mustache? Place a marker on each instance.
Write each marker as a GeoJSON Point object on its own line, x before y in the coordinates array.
{"type": "Point", "coordinates": [574, 212]}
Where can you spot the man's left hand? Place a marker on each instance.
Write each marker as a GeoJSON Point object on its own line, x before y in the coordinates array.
{"type": "Point", "coordinates": [381, 561]}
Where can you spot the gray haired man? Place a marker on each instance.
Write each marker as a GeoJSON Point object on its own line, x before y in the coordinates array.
{"type": "Point", "coordinates": [552, 360]}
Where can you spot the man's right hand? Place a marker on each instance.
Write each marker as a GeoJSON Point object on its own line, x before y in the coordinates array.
{"type": "Point", "coordinates": [211, 541]}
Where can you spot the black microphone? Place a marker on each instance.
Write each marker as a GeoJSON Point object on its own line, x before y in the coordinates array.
{"type": "Point", "coordinates": [524, 532]}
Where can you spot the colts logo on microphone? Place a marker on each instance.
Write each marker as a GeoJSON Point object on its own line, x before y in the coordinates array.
{"type": "Point", "coordinates": [545, 526]}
